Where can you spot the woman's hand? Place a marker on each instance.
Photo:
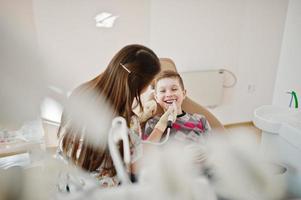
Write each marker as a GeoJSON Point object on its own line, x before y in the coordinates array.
{"type": "Point", "coordinates": [149, 107]}
{"type": "Point", "coordinates": [149, 110]}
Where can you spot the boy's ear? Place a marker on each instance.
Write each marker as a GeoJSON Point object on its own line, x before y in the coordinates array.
{"type": "Point", "coordinates": [184, 93]}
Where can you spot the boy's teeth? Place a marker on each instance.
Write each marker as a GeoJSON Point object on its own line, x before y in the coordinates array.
{"type": "Point", "coordinates": [170, 101]}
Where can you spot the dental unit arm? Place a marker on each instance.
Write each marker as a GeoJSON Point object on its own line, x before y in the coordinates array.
{"type": "Point", "coordinates": [119, 132]}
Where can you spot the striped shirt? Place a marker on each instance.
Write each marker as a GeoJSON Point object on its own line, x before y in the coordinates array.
{"type": "Point", "coordinates": [187, 127]}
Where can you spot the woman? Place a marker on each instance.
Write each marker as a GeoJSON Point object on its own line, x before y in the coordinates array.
{"type": "Point", "coordinates": [128, 74]}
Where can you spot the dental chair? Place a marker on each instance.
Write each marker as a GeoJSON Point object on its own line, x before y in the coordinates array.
{"type": "Point", "coordinates": [188, 104]}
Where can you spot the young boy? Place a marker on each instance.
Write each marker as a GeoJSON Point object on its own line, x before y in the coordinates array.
{"type": "Point", "coordinates": [169, 94]}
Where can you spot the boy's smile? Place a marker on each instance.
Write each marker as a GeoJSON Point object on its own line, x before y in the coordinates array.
{"type": "Point", "coordinates": [168, 90]}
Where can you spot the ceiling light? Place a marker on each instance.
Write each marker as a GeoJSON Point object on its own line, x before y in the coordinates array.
{"type": "Point", "coordinates": [105, 20]}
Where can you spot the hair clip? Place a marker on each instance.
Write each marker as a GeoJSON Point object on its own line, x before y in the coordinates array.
{"type": "Point", "coordinates": [124, 67]}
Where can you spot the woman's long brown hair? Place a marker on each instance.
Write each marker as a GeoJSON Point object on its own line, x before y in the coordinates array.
{"type": "Point", "coordinates": [119, 88]}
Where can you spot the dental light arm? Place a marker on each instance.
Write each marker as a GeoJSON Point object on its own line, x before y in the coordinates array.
{"type": "Point", "coordinates": [119, 132]}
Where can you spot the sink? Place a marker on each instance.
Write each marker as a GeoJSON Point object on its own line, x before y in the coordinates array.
{"type": "Point", "coordinates": [281, 140]}
{"type": "Point", "coordinates": [277, 124]}
{"type": "Point", "coordinates": [270, 118]}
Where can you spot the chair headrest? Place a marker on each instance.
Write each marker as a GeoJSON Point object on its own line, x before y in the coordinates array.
{"type": "Point", "coordinates": [167, 64]}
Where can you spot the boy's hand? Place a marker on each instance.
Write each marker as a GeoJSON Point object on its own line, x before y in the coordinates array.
{"type": "Point", "coordinates": [162, 123]}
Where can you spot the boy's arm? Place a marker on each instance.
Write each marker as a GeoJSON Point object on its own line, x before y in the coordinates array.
{"type": "Point", "coordinates": [155, 135]}
{"type": "Point", "coordinates": [206, 124]}
{"type": "Point", "coordinates": [193, 107]}
{"type": "Point", "coordinates": [158, 126]}
{"type": "Point", "coordinates": [150, 132]}
{"type": "Point", "coordinates": [202, 119]}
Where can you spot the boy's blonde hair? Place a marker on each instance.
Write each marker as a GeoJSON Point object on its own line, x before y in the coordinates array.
{"type": "Point", "coordinates": [169, 74]}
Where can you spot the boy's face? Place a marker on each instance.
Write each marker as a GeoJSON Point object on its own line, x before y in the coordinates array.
{"type": "Point", "coordinates": [169, 90]}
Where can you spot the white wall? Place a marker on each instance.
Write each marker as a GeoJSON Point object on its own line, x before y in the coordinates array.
{"type": "Point", "coordinates": [243, 36]}
{"type": "Point", "coordinates": [21, 76]}
{"type": "Point", "coordinates": [289, 73]}
{"type": "Point", "coordinates": [74, 49]}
